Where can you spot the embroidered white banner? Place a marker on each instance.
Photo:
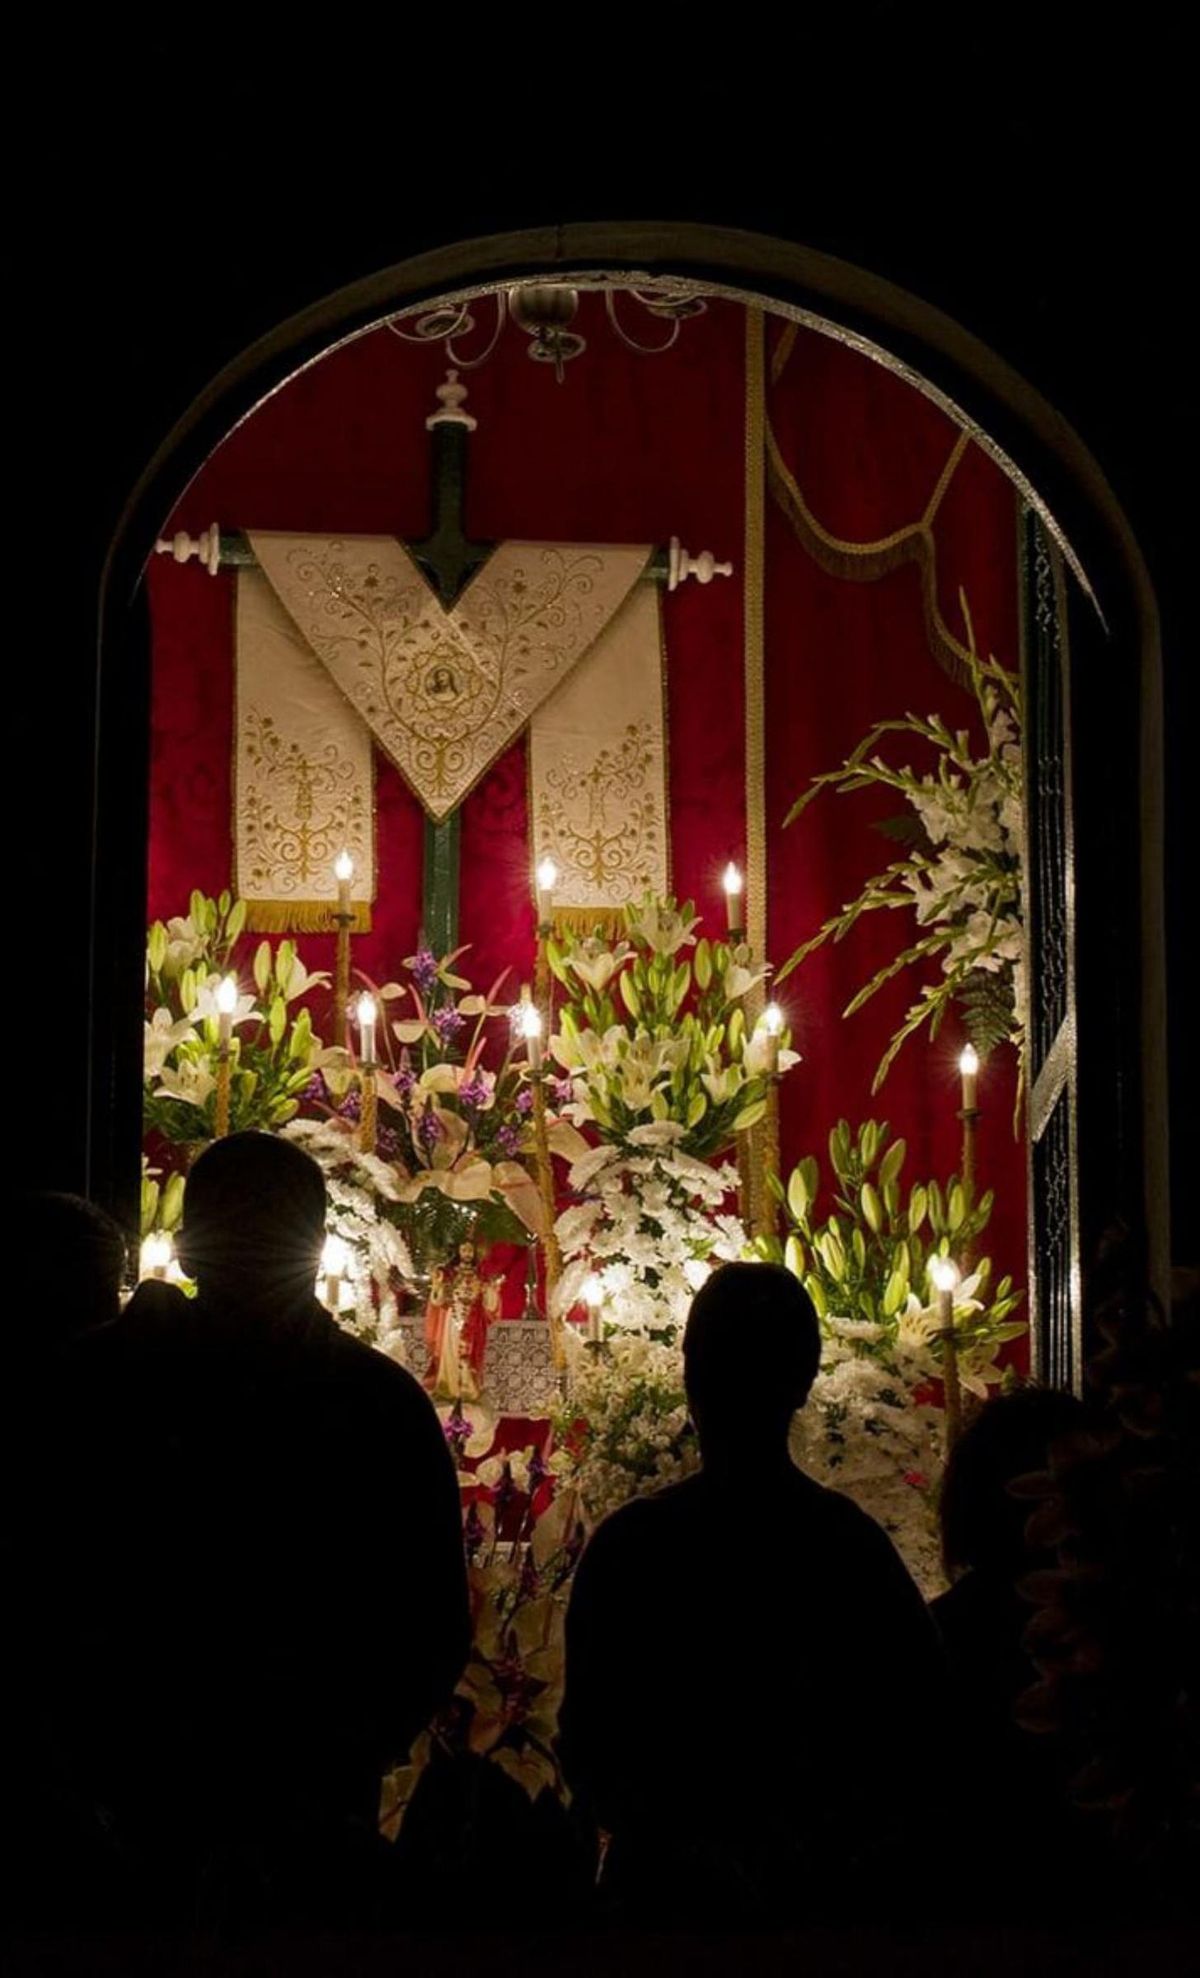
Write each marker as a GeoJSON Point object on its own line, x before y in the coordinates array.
{"type": "Point", "coordinates": [303, 775]}
{"type": "Point", "coordinates": [598, 770]}
{"type": "Point", "coordinates": [444, 692]}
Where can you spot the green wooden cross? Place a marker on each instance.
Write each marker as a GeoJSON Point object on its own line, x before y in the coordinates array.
{"type": "Point", "coordinates": [449, 560]}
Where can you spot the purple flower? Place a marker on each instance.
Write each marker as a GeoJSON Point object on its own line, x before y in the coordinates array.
{"type": "Point", "coordinates": [447, 1023]}
{"type": "Point", "coordinates": [508, 1139]}
{"type": "Point", "coordinates": [457, 1430]}
{"type": "Point", "coordinates": [429, 1129]}
{"type": "Point", "coordinates": [423, 970]}
{"type": "Point", "coordinates": [524, 1099]}
{"type": "Point", "coordinates": [387, 1144]}
{"type": "Point", "coordinates": [474, 1092]}
{"type": "Point", "coordinates": [351, 1106]}
{"type": "Point", "coordinates": [561, 1091]}
{"type": "Point", "coordinates": [406, 1077]}
{"type": "Point", "coordinates": [316, 1091]}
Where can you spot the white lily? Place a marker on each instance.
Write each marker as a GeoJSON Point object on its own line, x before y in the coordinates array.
{"type": "Point", "coordinates": [192, 1082]}
{"type": "Point", "coordinates": [161, 1036]}
{"type": "Point", "coordinates": [662, 928]}
{"type": "Point", "coordinates": [594, 963]}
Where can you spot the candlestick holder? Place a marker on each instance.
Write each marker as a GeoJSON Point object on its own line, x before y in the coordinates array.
{"type": "Point", "coordinates": [224, 1078]}
{"type": "Point", "coordinates": [969, 1118]}
{"type": "Point", "coordinates": [768, 1206]}
{"type": "Point", "coordinates": [551, 1254]}
{"type": "Point", "coordinates": [951, 1386]}
{"type": "Point", "coordinates": [341, 974]}
{"type": "Point", "coordinates": [368, 1119]}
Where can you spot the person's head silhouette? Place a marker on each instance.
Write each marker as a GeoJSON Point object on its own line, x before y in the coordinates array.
{"type": "Point", "coordinates": [254, 1223]}
{"type": "Point", "coordinates": [751, 1350]}
{"type": "Point", "coordinates": [70, 1258]}
{"type": "Point", "coordinates": [983, 1524]}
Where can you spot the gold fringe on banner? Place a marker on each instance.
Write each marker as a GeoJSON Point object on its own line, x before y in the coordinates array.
{"type": "Point", "coordinates": [303, 917]}
{"type": "Point", "coordinates": [580, 922]}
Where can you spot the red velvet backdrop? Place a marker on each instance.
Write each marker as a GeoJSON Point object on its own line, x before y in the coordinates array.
{"type": "Point", "coordinates": [634, 448]}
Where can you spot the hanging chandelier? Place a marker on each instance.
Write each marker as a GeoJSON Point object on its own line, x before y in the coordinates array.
{"type": "Point", "coordinates": [546, 312]}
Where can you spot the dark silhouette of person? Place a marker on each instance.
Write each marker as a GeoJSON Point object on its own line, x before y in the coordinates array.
{"type": "Point", "coordinates": [66, 1262]}
{"type": "Point", "coordinates": [270, 1583]}
{"type": "Point", "coordinates": [751, 1674]}
{"type": "Point", "coordinates": [1018, 1785]}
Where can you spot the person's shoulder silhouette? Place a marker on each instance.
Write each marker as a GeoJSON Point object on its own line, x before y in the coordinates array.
{"type": "Point", "coordinates": [741, 1645]}
{"type": "Point", "coordinates": [275, 1559]}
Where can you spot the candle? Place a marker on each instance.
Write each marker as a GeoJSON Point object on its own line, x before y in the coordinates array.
{"type": "Point", "coordinates": [530, 1027]}
{"type": "Point", "coordinates": [944, 1273]}
{"type": "Point", "coordinates": [227, 995]}
{"type": "Point", "coordinates": [968, 1065]}
{"type": "Point", "coordinates": [547, 880]}
{"type": "Point", "coordinates": [366, 1011]}
{"type": "Point", "coordinates": [735, 912]}
{"type": "Point", "coordinates": [343, 872]}
{"type": "Point", "coordinates": [334, 1258]}
{"type": "Point", "coordinates": [592, 1290]}
{"type": "Point", "coordinates": [157, 1252]}
{"type": "Point", "coordinates": [772, 1018]}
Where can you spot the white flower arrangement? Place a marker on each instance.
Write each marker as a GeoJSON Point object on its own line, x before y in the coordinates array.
{"type": "Point", "coordinates": [650, 1224]}
{"type": "Point", "coordinates": [638, 1437]}
{"type": "Point", "coordinates": [864, 1431]}
{"type": "Point", "coordinates": [380, 1264]}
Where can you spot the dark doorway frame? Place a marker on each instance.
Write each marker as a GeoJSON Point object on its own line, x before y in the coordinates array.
{"type": "Point", "coordinates": [1115, 711]}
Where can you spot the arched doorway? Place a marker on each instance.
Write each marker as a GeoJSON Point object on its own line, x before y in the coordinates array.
{"type": "Point", "coordinates": [1096, 689]}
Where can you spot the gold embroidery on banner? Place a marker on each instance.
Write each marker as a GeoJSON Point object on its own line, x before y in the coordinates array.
{"type": "Point", "coordinates": [303, 784]}
{"type": "Point", "coordinates": [602, 819]}
{"type": "Point", "coordinates": [445, 691]}
{"type": "Point", "coordinates": [298, 812]}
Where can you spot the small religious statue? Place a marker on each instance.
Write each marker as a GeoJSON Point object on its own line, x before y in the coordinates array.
{"type": "Point", "coordinates": [461, 1307]}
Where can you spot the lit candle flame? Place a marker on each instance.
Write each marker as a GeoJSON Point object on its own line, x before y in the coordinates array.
{"type": "Point", "coordinates": [944, 1272]}
{"type": "Point", "coordinates": [334, 1257]}
{"type": "Point", "coordinates": [773, 1020]}
{"type": "Point", "coordinates": [227, 995]}
{"type": "Point", "coordinates": [366, 1011]}
{"type": "Point", "coordinates": [968, 1062]}
{"type": "Point", "coordinates": [592, 1290]}
{"type": "Point", "coordinates": [157, 1252]}
{"type": "Point", "coordinates": [343, 868]}
{"type": "Point", "coordinates": [732, 881]}
{"type": "Point", "coordinates": [547, 875]}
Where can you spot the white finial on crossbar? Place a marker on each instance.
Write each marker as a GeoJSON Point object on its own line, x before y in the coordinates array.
{"type": "Point", "coordinates": [206, 548]}
{"type": "Point", "coordinates": [684, 565]}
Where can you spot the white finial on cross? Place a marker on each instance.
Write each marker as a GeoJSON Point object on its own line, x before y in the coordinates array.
{"type": "Point", "coordinates": [451, 396]}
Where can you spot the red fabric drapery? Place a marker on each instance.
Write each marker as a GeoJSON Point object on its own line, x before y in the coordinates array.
{"type": "Point", "coordinates": [633, 448]}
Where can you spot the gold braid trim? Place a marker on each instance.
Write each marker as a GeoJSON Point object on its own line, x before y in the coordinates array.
{"type": "Point", "coordinates": [866, 562]}
{"type": "Point", "coordinates": [303, 917]}
{"type": "Point", "coordinates": [751, 1148]}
